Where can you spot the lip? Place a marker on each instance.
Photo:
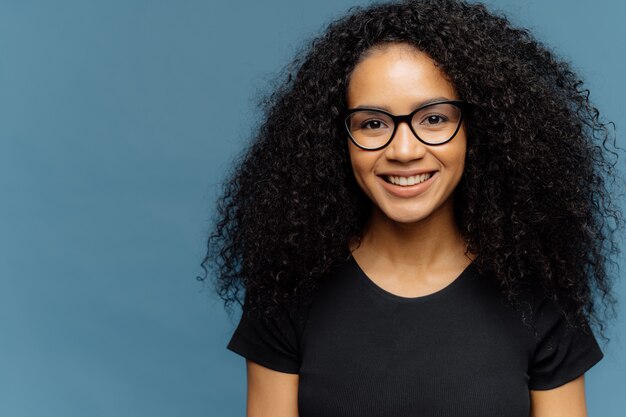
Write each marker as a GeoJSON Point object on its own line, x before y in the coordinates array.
{"type": "Point", "coordinates": [406, 173]}
{"type": "Point", "coordinates": [408, 190]}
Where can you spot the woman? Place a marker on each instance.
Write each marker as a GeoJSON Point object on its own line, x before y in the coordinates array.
{"type": "Point", "coordinates": [420, 224]}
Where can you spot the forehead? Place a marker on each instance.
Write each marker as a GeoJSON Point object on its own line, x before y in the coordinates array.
{"type": "Point", "coordinates": [398, 77]}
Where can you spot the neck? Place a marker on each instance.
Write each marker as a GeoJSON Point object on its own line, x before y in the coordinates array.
{"type": "Point", "coordinates": [435, 240]}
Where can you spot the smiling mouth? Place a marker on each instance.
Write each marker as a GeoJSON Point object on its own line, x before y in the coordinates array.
{"type": "Point", "coordinates": [407, 181]}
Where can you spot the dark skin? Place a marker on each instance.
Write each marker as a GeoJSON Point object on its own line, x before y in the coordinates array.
{"type": "Point", "coordinates": [411, 246]}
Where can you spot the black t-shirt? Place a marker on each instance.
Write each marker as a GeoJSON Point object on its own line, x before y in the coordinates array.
{"type": "Point", "coordinates": [363, 351]}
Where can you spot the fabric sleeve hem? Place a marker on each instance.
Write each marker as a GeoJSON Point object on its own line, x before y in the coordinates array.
{"type": "Point", "coordinates": [548, 382]}
{"type": "Point", "coordinates": [260, 355]}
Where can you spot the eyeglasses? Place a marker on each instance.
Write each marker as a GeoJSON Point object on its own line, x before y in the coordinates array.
{"type": "Point", "coordinates": [433, 124]}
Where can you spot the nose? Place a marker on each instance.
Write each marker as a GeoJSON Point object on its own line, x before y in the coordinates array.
{"type": "Point", "coordinates": [405, 146]}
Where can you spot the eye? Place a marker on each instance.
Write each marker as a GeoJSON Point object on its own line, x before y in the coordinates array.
{"type": "Point", "coordinates": [434, 118]}
{"type": "Point", "coordinates": [373, 124]}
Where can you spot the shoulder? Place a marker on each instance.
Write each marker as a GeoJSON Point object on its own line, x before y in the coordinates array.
{"type": "Point", "coordinates": [272, 337]}
{"type": "Point", "coordinates": [563, 346]}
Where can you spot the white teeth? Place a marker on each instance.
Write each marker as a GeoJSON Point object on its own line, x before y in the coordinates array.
{"type": "Point", "coordinates": [404, 181]}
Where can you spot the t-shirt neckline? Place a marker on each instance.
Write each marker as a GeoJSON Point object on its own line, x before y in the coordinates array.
{"type": "Point", "coordinates": [451, 287]}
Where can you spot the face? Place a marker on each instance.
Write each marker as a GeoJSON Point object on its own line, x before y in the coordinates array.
{"type": "Point", "coordinates": [398, 79]}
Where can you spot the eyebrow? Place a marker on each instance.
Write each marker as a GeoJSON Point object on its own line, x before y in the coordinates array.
{"type": "Point", "coordinates": [415, 105]}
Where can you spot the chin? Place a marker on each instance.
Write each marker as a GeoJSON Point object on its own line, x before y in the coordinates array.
{"type": "Point", "coordinates": [405, 215]}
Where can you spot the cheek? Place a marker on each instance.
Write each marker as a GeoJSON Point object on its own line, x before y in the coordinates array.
{"type": "Point", "coordinates": [357, 171]}
{"type": "Point", "coordinates": [455, 163]}
{"type": "Point", "coordinates": [362, 166]}
{"type": "Point", "coordinates": [355, 159]}
{"type": "Point", "coordinates": [454, 156]}
{"type": "Point", "coordinates": [361, 161]}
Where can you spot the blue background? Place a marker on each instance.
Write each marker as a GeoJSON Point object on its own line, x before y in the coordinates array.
{"type": "Point", "coordinates": [118, 122]}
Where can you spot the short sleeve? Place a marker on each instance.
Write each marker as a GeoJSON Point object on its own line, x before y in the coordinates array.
{"type": "Point", "coordinates": [271, 342]}
{"type": "Point", "coordinates": [561, 353]}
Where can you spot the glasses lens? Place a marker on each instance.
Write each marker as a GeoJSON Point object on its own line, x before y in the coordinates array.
{"type": "Point", "coordinates": [369, 128]}
{"type": "Point", "coordinates": [436, 123]}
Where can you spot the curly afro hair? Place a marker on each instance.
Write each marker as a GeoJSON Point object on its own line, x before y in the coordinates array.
{"type": "Point", "coordinates": [534, 200]}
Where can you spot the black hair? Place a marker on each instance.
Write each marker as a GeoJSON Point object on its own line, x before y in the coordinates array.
{"type": "Point", "coordinates": [534, 200]}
